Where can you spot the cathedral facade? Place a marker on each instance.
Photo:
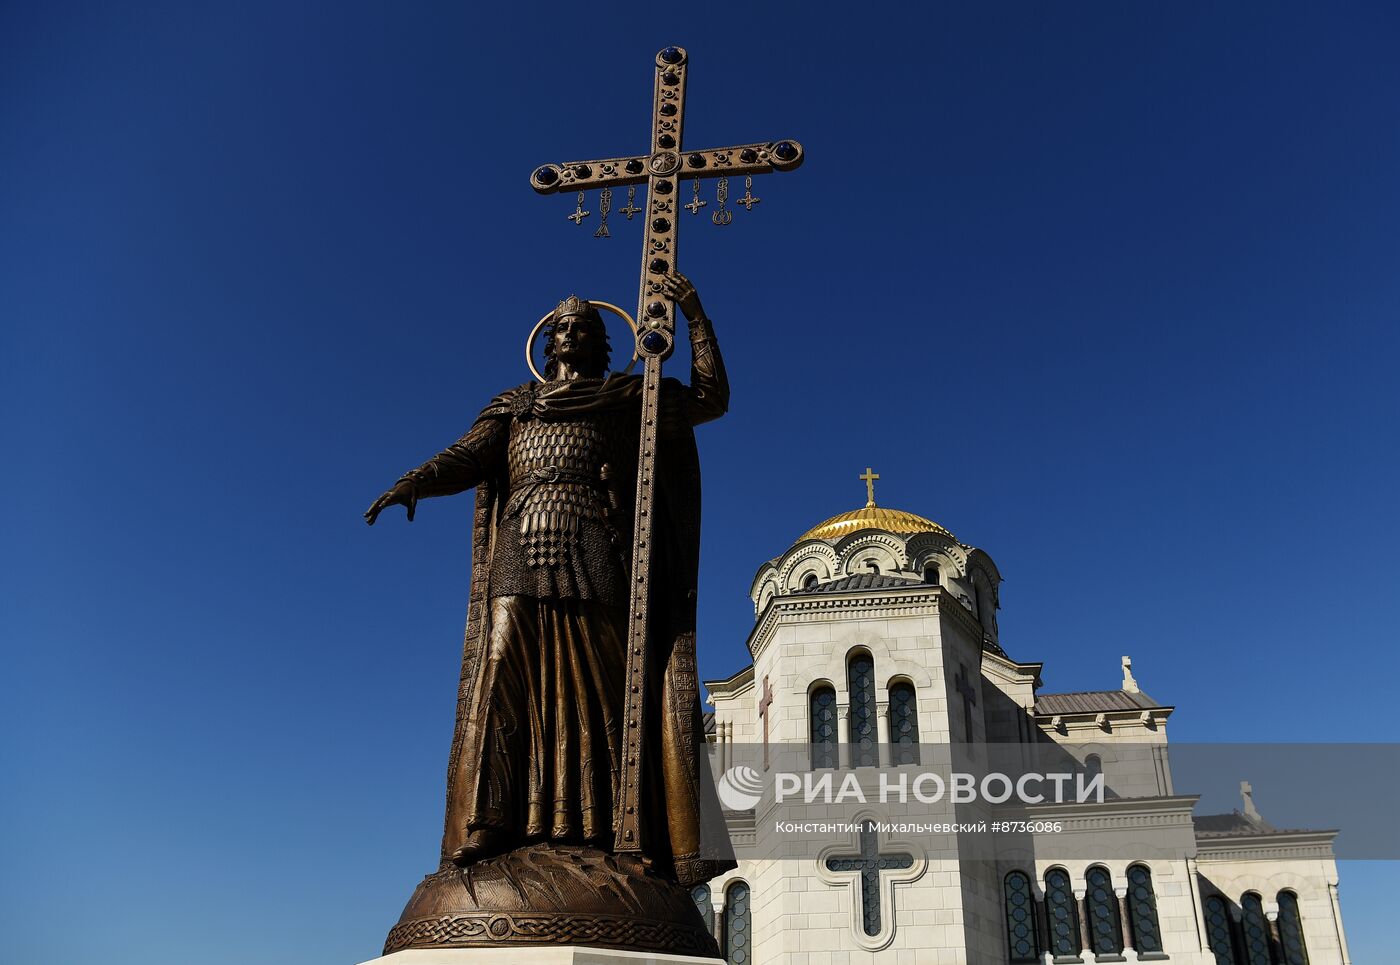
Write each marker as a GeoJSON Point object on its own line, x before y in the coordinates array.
{"type": "Point", "coordinates": [876, 634]}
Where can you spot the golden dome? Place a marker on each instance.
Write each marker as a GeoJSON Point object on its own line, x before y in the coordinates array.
{"type": "Point", "coordinates": [871, 516]}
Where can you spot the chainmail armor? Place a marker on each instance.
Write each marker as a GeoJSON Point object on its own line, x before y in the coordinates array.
{"type": "Point", "coordinates": [557, 539]}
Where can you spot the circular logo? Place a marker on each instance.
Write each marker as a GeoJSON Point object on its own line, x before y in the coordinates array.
{"type": "Point", "coordinates": [740, 788]}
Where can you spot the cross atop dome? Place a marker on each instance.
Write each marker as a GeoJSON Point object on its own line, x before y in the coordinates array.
{"type": "Point", "coordinates": [869, 476]}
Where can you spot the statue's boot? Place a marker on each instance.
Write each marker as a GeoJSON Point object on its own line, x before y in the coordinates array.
{"type": "Point", "coordinates": [483, 843]}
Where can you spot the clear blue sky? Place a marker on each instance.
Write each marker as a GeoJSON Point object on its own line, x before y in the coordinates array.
{"type": "Point", "coordinates": [1108, 289]}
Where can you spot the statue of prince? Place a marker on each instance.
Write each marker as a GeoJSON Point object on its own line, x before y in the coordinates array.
{"type": "Point", "coordinates": [533, 792]}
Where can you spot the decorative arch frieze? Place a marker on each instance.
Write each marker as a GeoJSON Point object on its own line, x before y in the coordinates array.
{"type": "Point", "coordinates": [922, 547]}
{"type": "Point", "coordinates": [978, 559]}
{"type": "Point", "coordinates": [766, 573]}
{"type": "Point", "coordinates": [765, 596]}
{"type": "Point", "coordinates": [885, 549]}
{"type": "Point", "coordinates": [815, 555]}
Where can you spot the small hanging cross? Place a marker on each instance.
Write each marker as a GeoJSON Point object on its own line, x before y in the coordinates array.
{"type": "Point", "coordinates": [748, 200]}
{"type": "Point", "coordinates": [631, 208]}
{"type": "Point", "coordinates": [695, 203]}
{"type": "Point", "coordinates": [579, 214]}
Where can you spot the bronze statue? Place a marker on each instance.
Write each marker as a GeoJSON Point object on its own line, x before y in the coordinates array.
{"type": "Point", "coordinates": [534, 779]}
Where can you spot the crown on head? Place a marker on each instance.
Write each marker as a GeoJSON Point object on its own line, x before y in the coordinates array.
{"type": "Point", "coordinates": [573, 305]}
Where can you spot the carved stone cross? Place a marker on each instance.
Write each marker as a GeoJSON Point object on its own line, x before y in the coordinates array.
{"type": "Point", "coordinates": [763, 705]}
{"type": "Point", "coordinates": [969, 696]}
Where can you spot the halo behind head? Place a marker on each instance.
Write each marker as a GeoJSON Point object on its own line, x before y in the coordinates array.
{"type": "Point", "coordinates": [573, 305]}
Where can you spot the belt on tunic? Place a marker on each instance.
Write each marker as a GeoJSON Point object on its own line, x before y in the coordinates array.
{"type": "Point", "coordinates": [543, 475]}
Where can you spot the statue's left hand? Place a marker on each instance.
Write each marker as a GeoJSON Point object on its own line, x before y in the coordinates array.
{"type": "Point", "coordinates": [679, 289]}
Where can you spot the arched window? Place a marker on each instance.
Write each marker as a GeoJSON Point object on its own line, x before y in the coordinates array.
{"type": "Point", "coordinates": [1290, 930]}
{"type": "Point", "coordinates": [873, 567]}
{"type": "Point", "coordinates": [1142, 910]}
{"type": "Point", "coordinates": [1064, 919]}
{"type": "Point", "coordinates": [1105, 930]}
{"type": "Point", "coordinates": [1256, 930]}
{"type": "Point", "coordinates": [1093, 767]}
{"type": "Point", "coordinates": [738, 925]}
{"type": "Point", "coordinates": [860, 679]}
{"type": "Point", "coordinates": [809, 581]}
{"type": "Point", "coordinates": [822, 711]}
{"type": "Point", "coordinates": [1020, 918]}
{"type": "Point", "coordinates": [932, 575]}
{"type": "Point", "coordinates": [1218, 935]}
{"type": "Point", "coordinates": [701, 894]}
{"type": "Point", "coordinates": [904, 724]}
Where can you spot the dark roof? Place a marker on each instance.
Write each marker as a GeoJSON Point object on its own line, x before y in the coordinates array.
{"type": "Point", "coordinates": [862, 581]}
{"type": "Point", "coordinates": [1230, 825]}
{"type": "Point", "coordinates": [1093, 702]}
{"type": "Point", "coordinates": [708, 719]}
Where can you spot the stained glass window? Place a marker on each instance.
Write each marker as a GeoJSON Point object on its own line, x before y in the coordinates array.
{"type": "Point", "coordinates": [865, 746]}
{"type": "Point", "coordinates": [1290, 930]}
{"type": "Point", "coordinates": [1020, 918]}
{"type": "Point", "coordinates": [701, 894]}
{"type": "Point", "coordinates": [1059, 907]}
{"type": "Point", "coordinates": [1256, 930]}
{"type": "Point", "coordinates": [738, 925]}
{"type": "Point", "coordinates": [1142, 910]}
{"type": "Point", "coordinates": [904, 724]}
{"type": "Point", "coordinates": [823, 720]}
{"type": "Point", "coordinates": [1218, 930]}
{"type": "Point", "coordinates": [1105, 931]}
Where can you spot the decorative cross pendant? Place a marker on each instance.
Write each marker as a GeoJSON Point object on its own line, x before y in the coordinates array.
{"type": "Point", "coordinates": [579, 214]}
{"type": "Point", "coordinates": [748, 200]}
{"type": "Point", "coordinates": [695, 203]}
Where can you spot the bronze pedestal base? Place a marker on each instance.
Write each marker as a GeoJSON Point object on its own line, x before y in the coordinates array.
{"type": "Point", "coordinates": [548, 894]}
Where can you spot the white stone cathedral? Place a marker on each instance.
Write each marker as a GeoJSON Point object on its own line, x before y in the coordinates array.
{"type": "Point", "coordinates": [878, 628]}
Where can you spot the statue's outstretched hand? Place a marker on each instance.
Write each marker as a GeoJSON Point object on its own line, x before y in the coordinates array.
{"type": "Point", "coordinates": [679, 289]}
{"type": "Point", "coordinates": [404, 494]}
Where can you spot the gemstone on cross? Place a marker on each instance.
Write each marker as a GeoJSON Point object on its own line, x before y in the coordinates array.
{"type": "Point", "coordinates": [868, 864]}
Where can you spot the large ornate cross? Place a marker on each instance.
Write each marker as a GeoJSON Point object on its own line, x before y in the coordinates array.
{"type": "Point", "coordinates": [664, 170]}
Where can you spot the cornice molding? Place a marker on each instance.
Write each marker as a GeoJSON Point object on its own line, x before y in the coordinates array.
{"type": "Point", "coordinates": [918, 600]}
